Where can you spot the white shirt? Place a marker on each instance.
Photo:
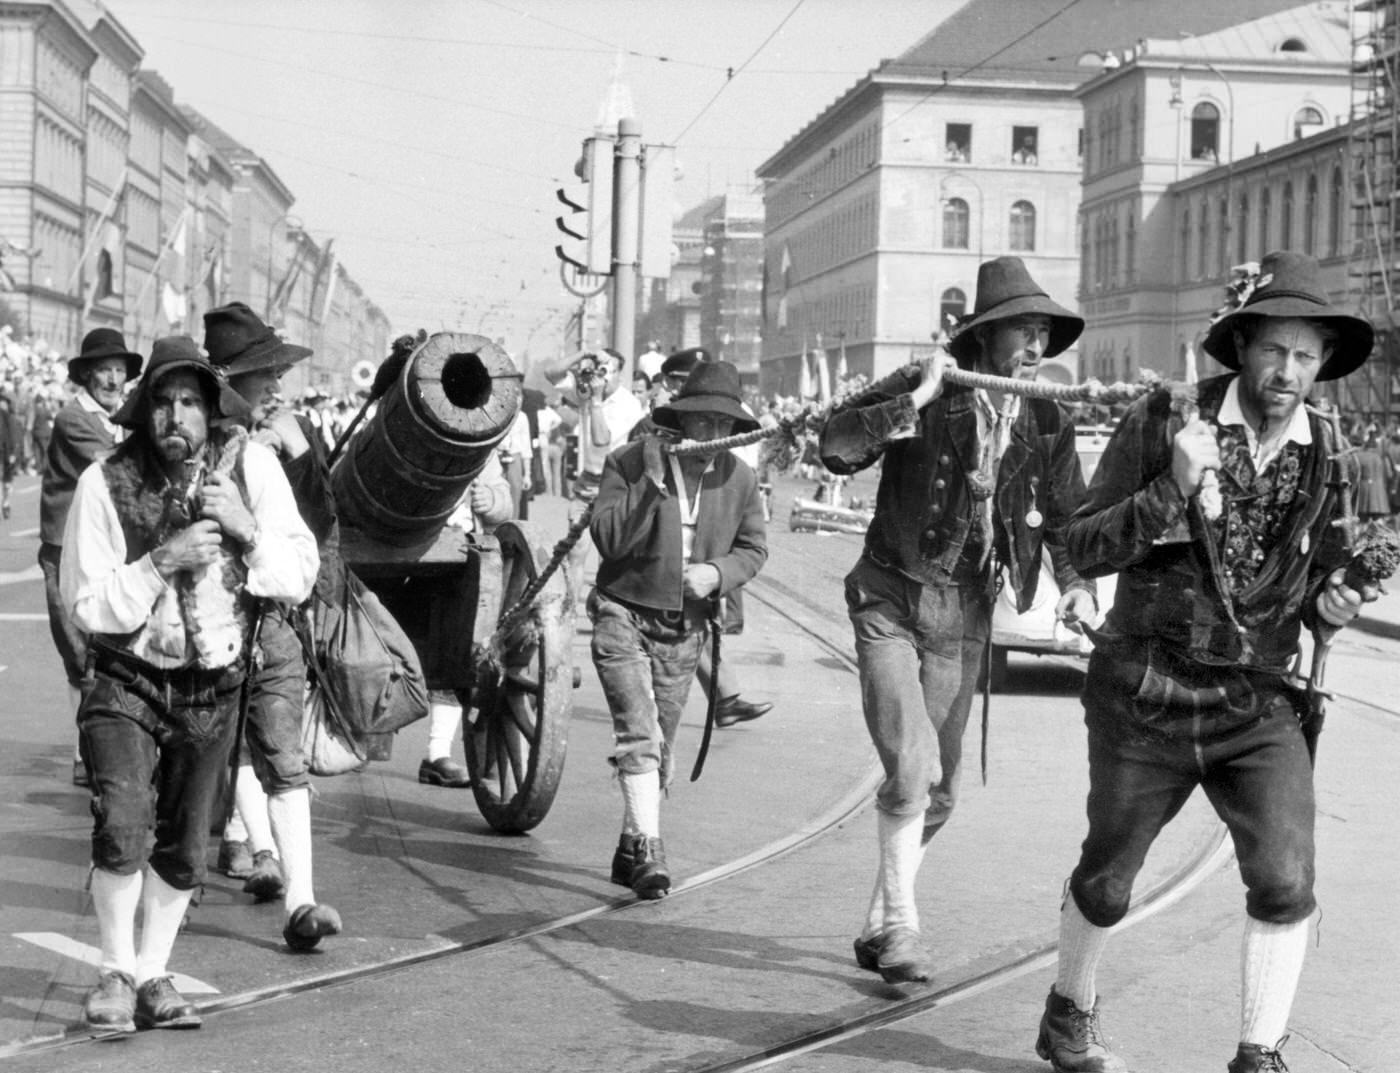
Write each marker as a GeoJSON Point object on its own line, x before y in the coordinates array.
{"type": "Point", "coordinates": [92, 406]}
{"type": "Point", "coordinates": [621, 410]}
{"type": "Point", "coordinates": [1298, 430]}
{"type": "Point", "coordinates": [106, 594]}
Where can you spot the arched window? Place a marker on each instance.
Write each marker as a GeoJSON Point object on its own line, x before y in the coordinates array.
{"type": "Point", "coordinates": [1205, 132]}
{"type": "Point", "coordinates": [1185, 242]}
{"type": "Point", "coordinates": [1022, 226]}
{"type": "Point", "coordinates": [104, 275]}
{"type": "Point", "coordinates": [1310, 217]}
{"type": "Point", "coordinates": [1242, 231]}
{"type": "Point", "coordinates": [1266, 198]}
{"type": "Point", "coordinates": [1307, 120]}
{"type": "Point", "coordinates": [1130, 248]}
{"type": "Point", "coordinates": [1113, 250]}
{"type": "Point", "coordinates": [955, 223]}
{"type": "Point", "coordinates": [1285, 231]}
{"type": "Point", "coordinates": [1334, 214]}
{"type": "Point", "coordinates": [951, 308]}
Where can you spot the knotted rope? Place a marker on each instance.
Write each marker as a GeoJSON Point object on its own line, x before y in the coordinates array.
{"type": "Point", "coordinates": [813, 419]}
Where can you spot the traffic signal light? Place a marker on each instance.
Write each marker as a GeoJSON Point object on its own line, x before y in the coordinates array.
{"type": "Point", "coordinates": [589, 219]}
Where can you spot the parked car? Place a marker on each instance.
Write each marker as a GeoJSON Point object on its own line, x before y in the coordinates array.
{"type": "Point", "coordinates": [1037, 631]}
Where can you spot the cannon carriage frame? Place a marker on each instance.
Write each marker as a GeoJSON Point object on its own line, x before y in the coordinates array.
{"type": "Point", "coordinates": [396, 487]}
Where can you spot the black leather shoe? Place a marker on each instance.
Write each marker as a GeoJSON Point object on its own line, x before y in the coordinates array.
{"type": "Point", "coordinates": [308, 924]}
{"type": "Point", "coordinates": [109, 1006]}
{"type": "Point", "coordinates": [732, 710]}
{"type": "Point", "coordinates": [1256, 1058]}
{"type": "Point", "coordinates": [159, 1005]}
{"type": "Point", "coordinates": [444, 771]}
{"type": "Point", "coordinates": [868, 952]}
{"type": "Point", "coordinates": [640, 863]}
{"type": "Point", "coordinates": [266, 881]}
{"type": "Point", "coordinates": [1072, 1040]}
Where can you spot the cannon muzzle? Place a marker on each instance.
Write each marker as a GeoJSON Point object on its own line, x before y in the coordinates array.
{"type": "Point", "coordinates": [433, 432]}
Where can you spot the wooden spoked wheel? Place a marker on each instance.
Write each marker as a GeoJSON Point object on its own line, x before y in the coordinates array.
{"type": "Point", "coordinates": [518, 733]}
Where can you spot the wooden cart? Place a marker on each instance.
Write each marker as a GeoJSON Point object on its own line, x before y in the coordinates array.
{"type": "Point", "coordinates": [396, 486]}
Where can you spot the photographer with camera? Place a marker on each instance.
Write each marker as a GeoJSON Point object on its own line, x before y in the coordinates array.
{"type": "Point", "coordinates": [594, 384]}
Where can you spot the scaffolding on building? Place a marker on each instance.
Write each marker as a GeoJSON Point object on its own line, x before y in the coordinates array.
{"type": "Point", "coordinates": [1373, 262]}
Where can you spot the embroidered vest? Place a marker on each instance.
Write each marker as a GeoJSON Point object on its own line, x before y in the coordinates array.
{"type": "Point", "coordinates": [202, 618]}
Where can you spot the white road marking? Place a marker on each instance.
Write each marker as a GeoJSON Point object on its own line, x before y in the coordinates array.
{"type": "Point", "coordinates": [90, 955]}
{"type": "Point", "coordinates": [24, 616]}
{"type": "Point", "coordinates": [29, 573]}
{"type": "Point", "coordinates": [25, 532]}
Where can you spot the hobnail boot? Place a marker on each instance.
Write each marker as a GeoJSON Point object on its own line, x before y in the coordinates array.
{"type": "Point", "coordinates": [1072, 1040]}
{"type": "Point", "coordinates": [1256, 1058]}
{"type": "Point", "coordinates": [266, 881]}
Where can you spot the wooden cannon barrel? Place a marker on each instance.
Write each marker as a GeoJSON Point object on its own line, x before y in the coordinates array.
{"type": "Point", "coordinates": [432, 433]}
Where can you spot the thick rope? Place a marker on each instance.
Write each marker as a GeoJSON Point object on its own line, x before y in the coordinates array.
{"type": "Point", "coordinates": [812, 420]}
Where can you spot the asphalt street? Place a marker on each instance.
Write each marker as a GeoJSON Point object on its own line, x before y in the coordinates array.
{"type": "Point", "coordinates": [466, 949]}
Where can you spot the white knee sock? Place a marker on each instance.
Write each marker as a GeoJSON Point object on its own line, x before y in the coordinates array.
{"type": "Point", "coordinates": [900, 857]}
{"type": "Point", "coordinates": [641, 804]}
{"type": "Point", "coordinates": [1271, 961]}
{"type": "Point", "coordinates": [252, 807]}
{"type": "Point", "coordinates": [443, 720]}
{"type": "Point", "coordinates": [163, 909]}
{"type": "Point", "coordinates": [290, 813]}
{"type": "Point", "coordinates": [235, 830]}
{"type": "Point", "coordinates": [115, 900]}
{"type": "Point", "coordinates": [1081, 946]}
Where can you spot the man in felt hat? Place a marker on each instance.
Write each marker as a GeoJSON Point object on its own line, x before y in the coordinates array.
{"type": "Point", "coordinates": [169, 543]}
{"type": "Point", "coordinates": [83, 431]}
{"type": "Point", "coordinates": [674, 533]}
{"type": "Point", "coordinates": [1187, 683]}
{"type": "Point", "coordinates": [272, 791]}
{"type": "Point", "coordinates": [973, 483]}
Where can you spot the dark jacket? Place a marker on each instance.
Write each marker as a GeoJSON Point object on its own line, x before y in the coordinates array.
{"type": "Point", "coordinates": [1172, 583]}
{"type": "Point", "coordinates": [79, 437]}
{"type": "Point", "coordinates": [637, 528]}
{"type": "Point", "coordinates": [923, 509]}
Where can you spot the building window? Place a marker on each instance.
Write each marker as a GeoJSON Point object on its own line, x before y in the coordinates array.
{"type": "Point", "coordinates": [955, 223]}
{"type": "Point", "coordinates": [1185, 264]}
{"type": "Point", "coordinates": [1334, 214]}
{"type": "Point", "coordinates": [959, 142]}
{"type": "Point", "coordinates": [1310, 217]}
{"type": "Point", "coordinates": [1242, 231]}
{"type": "Point", "coordinates": [1205, 132]}
{"type": "Point", "coordinates": [1285, 235]}
{"type": "Point", "coordinates": [1308, 121]}
{"type": "Point", "coordinates": [1025, 145]}
{"type": "Point", "coordinates": [1266, 207]}
{"type": "Point", "coordinates": [951, 308]}
{"type": "Point", "coordinates": [1203, 242]}
{"type": "Point", "coordinates": [104, 276]}
{"type": "Point", "coordinates": [1130, 248]}
{"type": "Point", "coordinates": [1222, 239]}
{"type": "Point", "coordinates": [1022, 227]}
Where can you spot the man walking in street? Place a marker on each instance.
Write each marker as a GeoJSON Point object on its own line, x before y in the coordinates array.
{"type": "Point", "coordinates": [1186, 685]}
{"type": "Point", "coordinates": [272, 789]}
{"type": "Point", "coordinates": [971, 480]}
{"type": "Point", "coordinates": [674, 534]}
{"type": "Point", "coordinates": [83, 431]}
{"type": "Point", "coordinates": [167, 547]}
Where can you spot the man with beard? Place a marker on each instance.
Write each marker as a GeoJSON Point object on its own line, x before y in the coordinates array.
{"type": "Point", "coordinates": [168, 545]}
{"type": "Point", "coordinates": [674, 533]}
{"type": "Point", "coordinates": [971, 480]}
{"type": "Point", "coordinates": [82, 432]}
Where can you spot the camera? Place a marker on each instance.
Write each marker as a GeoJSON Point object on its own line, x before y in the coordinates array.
{"type": "Point", "coordinates": [587, 376]}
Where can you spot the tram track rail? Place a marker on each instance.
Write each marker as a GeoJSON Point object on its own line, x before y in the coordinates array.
{"type": "Point", "coordinates": [808, 615]}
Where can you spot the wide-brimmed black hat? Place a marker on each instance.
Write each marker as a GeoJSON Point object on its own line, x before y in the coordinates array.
{"type": "Point", "coordinates": [682, 363]}
{"type": "Point", "coordinates": [239, 342]}
{"type": "Point", "coordinates": [181, 352]}
{"type": "Point", "coordinates": [1290, 285]}
{"type": "Point", "coordinates": [713, 388]}
{"type": "Point", "coordinates": [103, 343]}
{"type": "Point", "coordinates": [1005, 290]}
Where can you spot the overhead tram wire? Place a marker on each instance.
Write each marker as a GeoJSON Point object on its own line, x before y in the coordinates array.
{"type": "Point", "coordinates": [385, 86]}
{"type": "Point", "coordinates": [735, 72]}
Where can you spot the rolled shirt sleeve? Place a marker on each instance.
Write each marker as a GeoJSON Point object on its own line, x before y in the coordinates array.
{"type": "Point", "coordinates": [283, 565]}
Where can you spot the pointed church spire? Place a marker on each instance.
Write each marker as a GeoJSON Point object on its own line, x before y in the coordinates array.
{"type": "Point", "coordinates": [617, 102]}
